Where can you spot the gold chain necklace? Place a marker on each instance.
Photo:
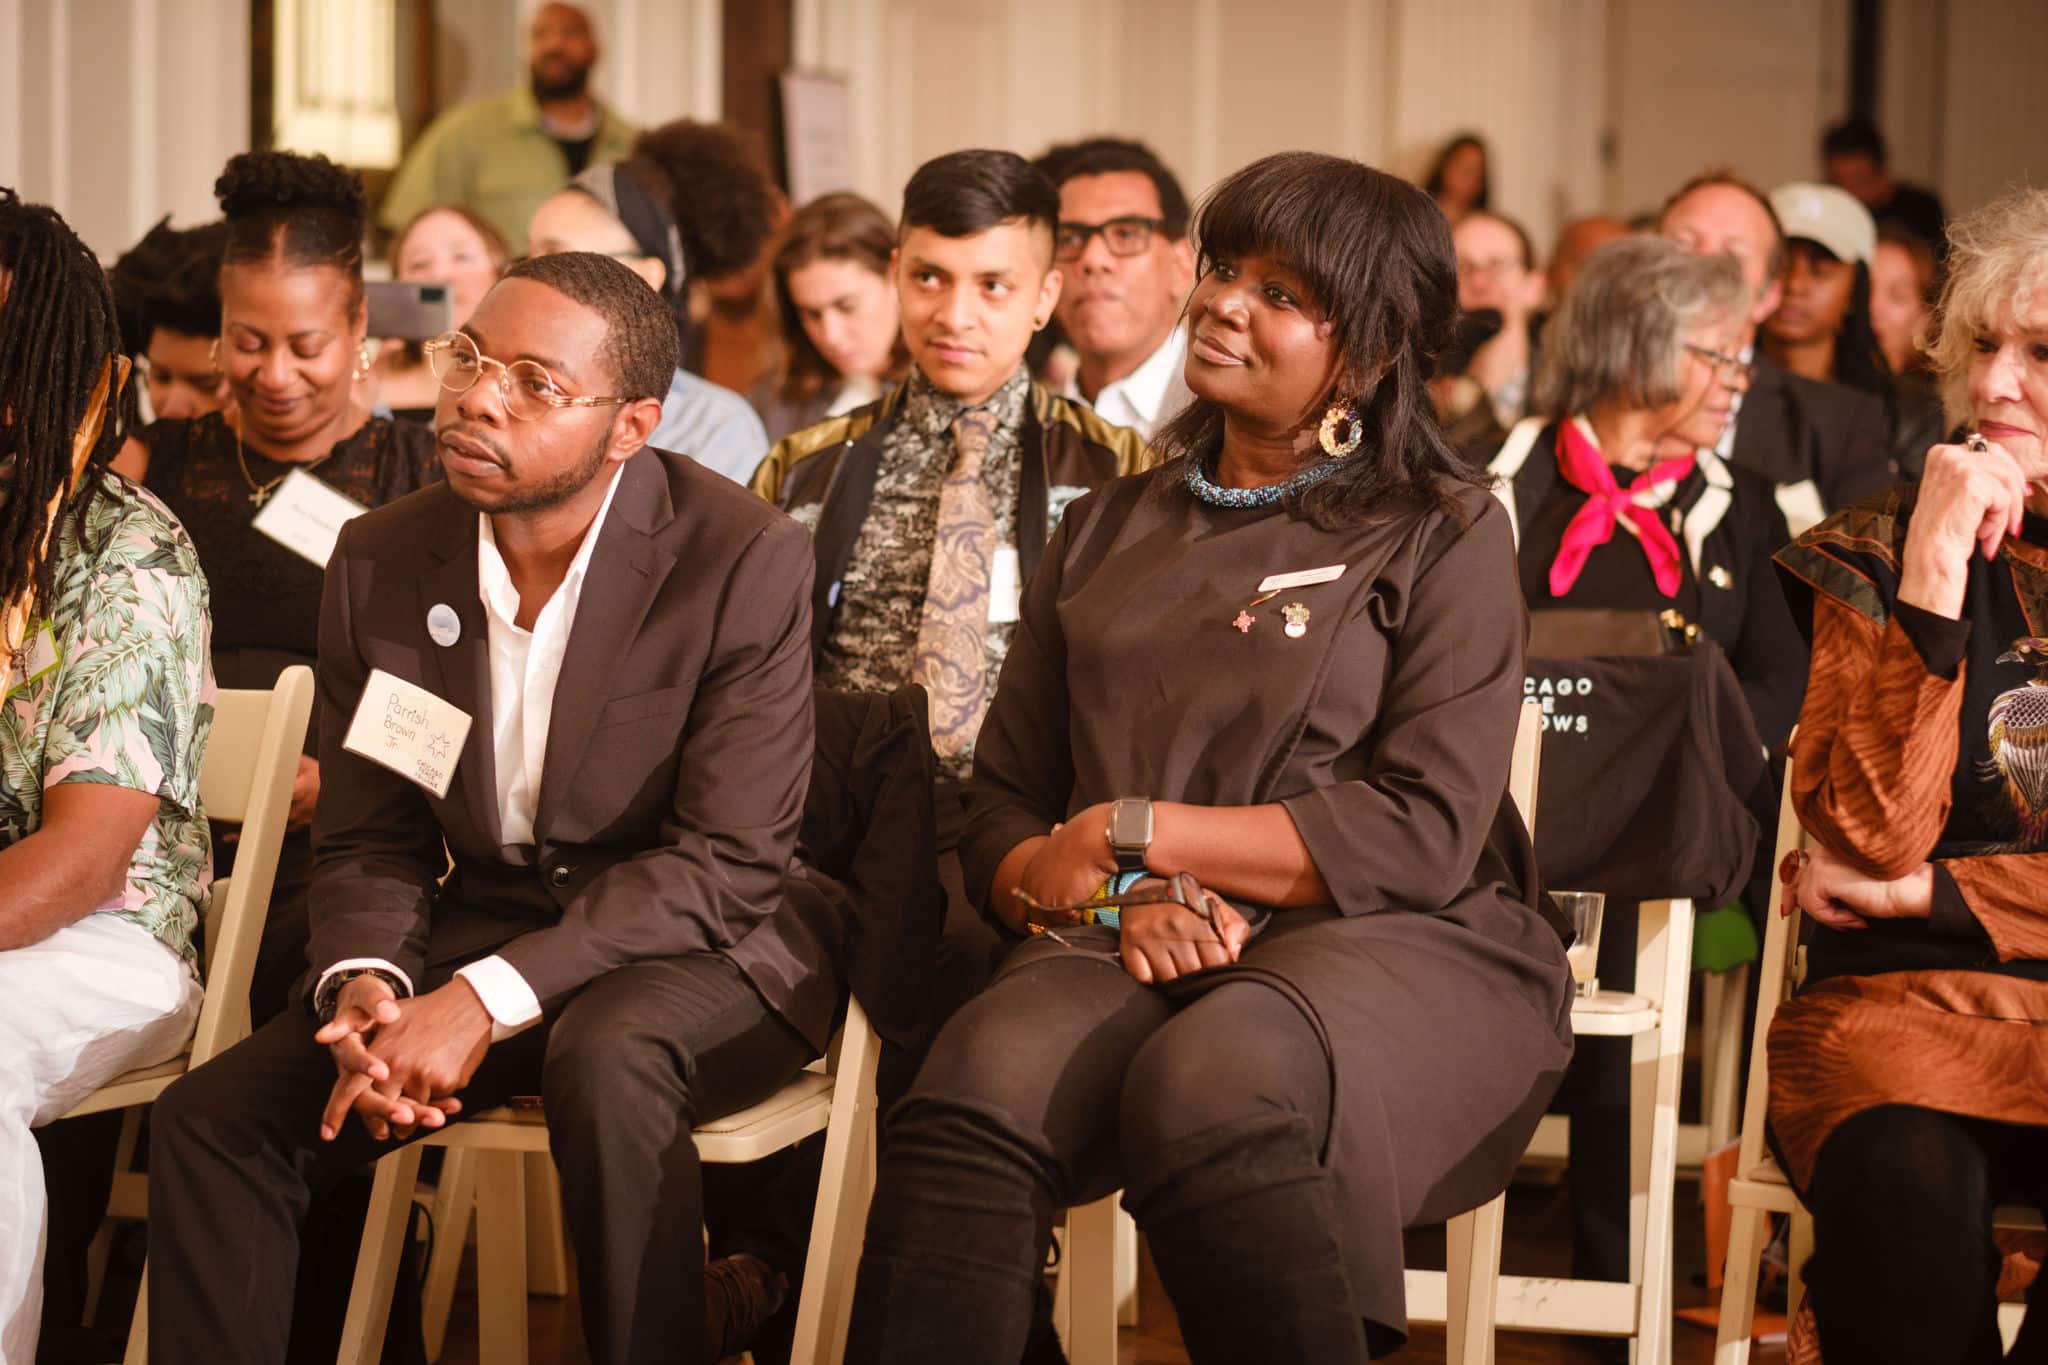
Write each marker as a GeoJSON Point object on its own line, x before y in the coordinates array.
{"type": "Point", "coordinates": [259, 493]}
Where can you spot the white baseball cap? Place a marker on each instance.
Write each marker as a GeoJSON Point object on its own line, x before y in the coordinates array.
{"type": "Point", "coordinates": [1828, 215]}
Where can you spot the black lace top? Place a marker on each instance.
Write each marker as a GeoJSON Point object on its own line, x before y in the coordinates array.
{"type": "Point", "coordinates": [266, 599]}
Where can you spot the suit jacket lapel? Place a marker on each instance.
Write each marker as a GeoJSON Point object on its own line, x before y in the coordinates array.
{"type": "Point", "coordinates": [627, 569]}
{"type": "Point", "coordinates": [461, 673]}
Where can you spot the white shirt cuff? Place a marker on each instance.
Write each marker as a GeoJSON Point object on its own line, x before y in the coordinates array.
{"type": "Point", "coordinates": [359, 963]}
{"type": "Point", "coordinates": [510, 1001]}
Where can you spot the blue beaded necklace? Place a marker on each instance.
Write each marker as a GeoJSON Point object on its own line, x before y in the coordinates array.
{"type": "Point", "coordinates": [1205, 490]}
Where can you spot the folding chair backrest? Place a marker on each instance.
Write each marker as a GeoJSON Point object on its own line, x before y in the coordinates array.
{"type": "Point", "coordinates": [1774, 982]}
{"type": "Point", "coordinates": [251, 758]}
{"type": "Point", "coordinates": [1528, 758]}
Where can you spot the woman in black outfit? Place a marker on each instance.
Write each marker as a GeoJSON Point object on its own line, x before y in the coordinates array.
{"type": "Point", "coordinates": [293, 350]}
{"type": "Point", "coordinates": [1259, 1065]}
{"type": "Point", "coordinates": [1621, 503]}
{"type": "Point", "coordinates": [1638, 382]}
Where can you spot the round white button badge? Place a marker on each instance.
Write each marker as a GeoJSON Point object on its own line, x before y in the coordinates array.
{"type": "Point", "coordinates": [444, 627]}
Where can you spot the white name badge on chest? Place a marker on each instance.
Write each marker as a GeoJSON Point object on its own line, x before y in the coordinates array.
{"type": "Point", "coordinates": [1303, 578]}
{"type": "Point", "coordinates": [409, 730]}
{"type": "Point", "coordinates": [1004, 589]}
{"type": "Point", "coordinates": [305, 515]}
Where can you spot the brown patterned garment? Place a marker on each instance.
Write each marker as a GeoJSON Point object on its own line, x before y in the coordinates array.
{"type": "Point", "coordinates": [883, 592]}
{"type": "Point", "coordinates": [1915, 745]}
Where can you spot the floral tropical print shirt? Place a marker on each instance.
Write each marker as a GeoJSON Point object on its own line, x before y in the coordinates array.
{"type": "Point", "coordinates": [114, 684]}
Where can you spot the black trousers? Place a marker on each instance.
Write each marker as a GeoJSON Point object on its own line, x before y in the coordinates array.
{"type": "Point", "coordinates": [625, 1069]}
{"type": "Point", "coordinates": [1066, 1079]}
{"type": "Point", "coordinates": [1903, 1267]}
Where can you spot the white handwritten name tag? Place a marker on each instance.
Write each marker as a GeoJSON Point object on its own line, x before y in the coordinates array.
{"type": "Point", "coordinates": [305, 516]}
{"type": "Point", "coordinates": [408, 730]}
{"type": "Point", "coordinates": [1281, 582]}
{"type": "Point", "coordinates": [1004, 589]}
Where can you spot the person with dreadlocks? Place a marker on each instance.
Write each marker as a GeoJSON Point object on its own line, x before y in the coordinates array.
{"type": "Point", "coordinates": [106, 699]}
{"type": "Point", "coordinates": [292, 329]}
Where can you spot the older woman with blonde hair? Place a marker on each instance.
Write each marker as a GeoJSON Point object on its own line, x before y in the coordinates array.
{"type": "Point", "coordinates": [1905, 1079]}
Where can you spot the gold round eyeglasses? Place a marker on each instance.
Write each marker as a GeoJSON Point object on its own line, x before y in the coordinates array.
{"type": "Point", "coordinates": [528, 389]}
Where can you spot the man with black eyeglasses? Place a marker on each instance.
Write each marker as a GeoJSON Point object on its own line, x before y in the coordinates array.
{"type": "Point", "coordinates": [1122, 244]}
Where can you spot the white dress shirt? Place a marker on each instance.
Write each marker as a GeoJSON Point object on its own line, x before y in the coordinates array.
{"type": "Point", "coordinates": [1149, 396]}
{"type": "Point", "coordinates": [525, 666]}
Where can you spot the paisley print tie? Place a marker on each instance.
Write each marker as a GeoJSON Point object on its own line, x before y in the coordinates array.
{"type": "Point", "coordinates": [952, 660]}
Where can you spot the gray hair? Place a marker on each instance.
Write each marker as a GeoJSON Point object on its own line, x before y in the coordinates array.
{"type": "Point", "coordinates": [1997, 264]}
{"type": "Point", "coordinates": [1622, 326]}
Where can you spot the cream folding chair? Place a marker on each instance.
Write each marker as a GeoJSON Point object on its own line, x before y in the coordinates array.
{"type": "Point", "coordinates": [835, 1095]}
{"type": "Point", "coordinates": [1087, 1302]}
{"type": "Point", "coordinates": [1473, 1299]}
{"type": "Point", "coordinates": [252, 756]}
{"type": "Point", "coordinates": [1759, 1188]}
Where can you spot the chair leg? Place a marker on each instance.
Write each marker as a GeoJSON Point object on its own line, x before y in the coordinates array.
{"type": "Point", "coordinates": [1738, 1285]}
{"type": "Point", "coordinates": [138, 1326]}
{"type": "Point", "coordinates": [1662, 962]}
{"type": "Point", "coordinates": [1090, 1267]}
{"type": "Point", "coordinates": [1721, 1073]}
{"type": "Point", "coordinates": [127, 1197]}
{"type": "Point", "coordinates": [1798, 1247]}
{"type": "Point", "coordinates": [454, 1206]}
{"type": "Point", "coordinates": [1126, 1269]}
{"type": "Point", "coordinates": [547, 1245]}
{"type": "Point", "coordinates": [501, 1258]}
{"type": "Point", "coordinates": [846, 1186]}
{"type": "Point", "coordinates": [97, 1253]}
{"type": "Point", "coordinates": [1472, 1282]}
{"type": "Point", "coordinates": [2010, 1316]}
{"type": "Point", "coordinates": [1063, 1285]}
{"type": "Point", "coordinates": [369, 1299]}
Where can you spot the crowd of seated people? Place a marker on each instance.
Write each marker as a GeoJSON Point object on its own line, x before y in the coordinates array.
{"type": "Point", "coordinates": [1217, 626]}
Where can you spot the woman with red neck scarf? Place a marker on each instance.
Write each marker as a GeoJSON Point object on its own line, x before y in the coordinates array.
{"type": "Point", "coordinates": [1619, 496]}
{"type": "Point", "coordinates": [1621, 502]}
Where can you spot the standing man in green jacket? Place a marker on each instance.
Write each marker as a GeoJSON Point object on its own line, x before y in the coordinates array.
{"type": "Point", "coordinates": [500, 155]}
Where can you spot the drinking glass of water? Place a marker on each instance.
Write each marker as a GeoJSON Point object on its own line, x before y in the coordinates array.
{"type": "Point", "coordinates": [1583, 909]}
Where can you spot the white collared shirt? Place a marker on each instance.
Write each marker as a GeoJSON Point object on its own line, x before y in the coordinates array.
{"type": "Point", "coordinates": [1151, 395]}
{"type": "Point", "coordinates": [525, 666]}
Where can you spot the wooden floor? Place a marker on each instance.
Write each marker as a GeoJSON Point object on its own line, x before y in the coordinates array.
{"type": "Point", "coordinates": [1538, 1243]}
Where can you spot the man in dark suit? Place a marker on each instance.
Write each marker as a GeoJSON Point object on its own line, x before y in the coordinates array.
{"type": "Point", "coordinates": [1823, 445]}
{"type": "Point", "coordinates": [629, 635]}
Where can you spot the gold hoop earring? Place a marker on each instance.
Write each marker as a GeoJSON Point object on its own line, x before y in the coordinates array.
{"type": "Point", "coordinates": [363, 362]}
{"type": "Point", "coordinates": [1339, 414]}
{"type": "Point", "coordinates": [213, 355]}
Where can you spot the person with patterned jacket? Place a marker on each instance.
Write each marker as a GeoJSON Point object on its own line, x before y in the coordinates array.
{"type": "Point", "coordinates": [931, 507]}
{"type": "Point", "coordinates": [106, 701]}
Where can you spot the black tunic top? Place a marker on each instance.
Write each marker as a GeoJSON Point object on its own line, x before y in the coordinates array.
{"type": "Point", "coordinates": [1385, 729]}
{"type": "Point", "coordinates": [266, 598]}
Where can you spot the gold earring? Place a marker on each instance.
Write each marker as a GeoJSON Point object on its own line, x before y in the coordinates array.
{"type": "Point", "coordinates": [1338, 414]}
{"type": "Point", "coordinates": [213, 355]}
{"type": "Point", "coordinates": [363, 362]}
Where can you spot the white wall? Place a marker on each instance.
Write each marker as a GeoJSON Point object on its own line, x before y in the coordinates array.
{"type": "Point", "coordinates": [1213, 84]}
{"type": "Point", "coordinates": [119, 111]}
{"type": "Point", "coordinates": [1993, 93]}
